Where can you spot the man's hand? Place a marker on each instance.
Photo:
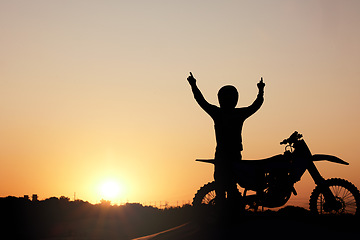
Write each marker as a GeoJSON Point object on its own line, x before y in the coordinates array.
{"type": "Point", "coordinates": [191, 80]}
{"type": "Point", "coordinates": [261, 85]}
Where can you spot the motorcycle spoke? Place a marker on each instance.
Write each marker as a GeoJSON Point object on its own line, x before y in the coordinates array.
{"type": "Point", "coordinates": [321, 203]}
{"type": "Point", "coordinates": [335, 190]}
{"type": "Point", "coordinates": [347, 195]}
{"type": "Point", "coordinates": [209, 197]}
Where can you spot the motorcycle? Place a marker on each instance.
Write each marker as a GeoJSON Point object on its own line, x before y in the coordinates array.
{"type": "Point", "coordinates": [272, 182]}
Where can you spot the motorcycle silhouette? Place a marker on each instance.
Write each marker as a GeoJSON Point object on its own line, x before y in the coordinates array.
{"type": "Point", "coordinates": [272, 179]}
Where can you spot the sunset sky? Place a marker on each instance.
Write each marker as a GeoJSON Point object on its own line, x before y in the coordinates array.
{"type": "Point", "coordinates": [95, 92]}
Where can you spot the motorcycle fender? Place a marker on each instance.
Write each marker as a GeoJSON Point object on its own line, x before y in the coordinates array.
{"type": "Point", "coordinates": [212, 161]}
{"type": "Point", "coordinates": [330, 158]}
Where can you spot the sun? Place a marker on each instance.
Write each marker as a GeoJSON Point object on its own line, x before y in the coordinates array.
{"type": "Point", "coordinates": [110, 190]}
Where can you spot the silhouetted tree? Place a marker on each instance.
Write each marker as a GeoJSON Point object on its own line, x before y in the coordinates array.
{"type": "Point", "coordinates": [104, 202]}
{"type": "Point", "coordinates": [64, 199]}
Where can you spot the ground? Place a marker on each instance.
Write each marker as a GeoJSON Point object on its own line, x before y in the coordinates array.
{"type": "Point", "coordinates": [287, 223]}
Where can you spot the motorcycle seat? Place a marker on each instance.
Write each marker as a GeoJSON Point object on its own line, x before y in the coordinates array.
{"type": "Point", "coordinates": [274, 163]}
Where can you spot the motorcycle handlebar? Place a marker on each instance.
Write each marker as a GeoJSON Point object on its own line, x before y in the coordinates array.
{"type": "Point", "coordinates": [294, 137]}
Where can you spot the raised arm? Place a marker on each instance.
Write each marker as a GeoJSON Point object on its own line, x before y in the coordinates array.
{"type": "Point", "coordinates": [198, 95]}
{"type": "Point", "coordinates": [259, 99]}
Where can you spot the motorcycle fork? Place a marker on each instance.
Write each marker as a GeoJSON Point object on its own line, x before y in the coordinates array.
{"type": "Point", "coordinates": [320, 181]}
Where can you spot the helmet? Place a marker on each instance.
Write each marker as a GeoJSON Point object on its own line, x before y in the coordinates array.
{"type": "Point", "coordinates": [228, 96]}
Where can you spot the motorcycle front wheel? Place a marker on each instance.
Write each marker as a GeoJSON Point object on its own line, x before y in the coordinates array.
{"type": "Point", "coordinates": [346, 194]}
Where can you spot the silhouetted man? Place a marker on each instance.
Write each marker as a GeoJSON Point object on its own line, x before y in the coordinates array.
{"type": "Point", "coordinates": [228, 122]}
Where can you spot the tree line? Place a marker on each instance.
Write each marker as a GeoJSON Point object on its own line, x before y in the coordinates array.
{"type": "Point", "coordinates": [62, 218]}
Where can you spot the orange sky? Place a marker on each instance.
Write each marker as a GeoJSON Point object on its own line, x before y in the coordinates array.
{"type": "Point", "coordinates": [96, 90]}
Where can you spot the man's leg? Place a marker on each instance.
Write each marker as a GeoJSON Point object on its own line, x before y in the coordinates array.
{"type": "Point", "coordinates": [233, 195]}
{"type": "Point", "coordinates": [220, 188]}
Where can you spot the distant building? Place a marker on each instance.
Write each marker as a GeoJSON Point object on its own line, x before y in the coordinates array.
{"type": "Point", "coordinates": [26, 197]}
{"type": "Point", "coordinates": [34, 197]}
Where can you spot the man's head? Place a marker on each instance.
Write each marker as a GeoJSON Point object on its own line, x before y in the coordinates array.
{"type": "Point", "coordinates": [228, 97]}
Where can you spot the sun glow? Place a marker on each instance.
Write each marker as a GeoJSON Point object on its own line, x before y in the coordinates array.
{"type": "Point", "coordinates": [110, 190]}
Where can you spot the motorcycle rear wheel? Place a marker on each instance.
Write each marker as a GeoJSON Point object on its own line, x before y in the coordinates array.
{"type": "Point", "coordinates": [204, 204]}
{"type": "Point", "coordinates": [346, 195]}
{"type": "Point", "coordinates": [205, 195]}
